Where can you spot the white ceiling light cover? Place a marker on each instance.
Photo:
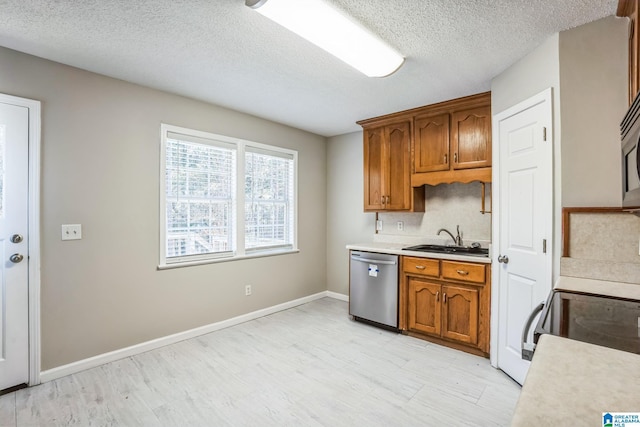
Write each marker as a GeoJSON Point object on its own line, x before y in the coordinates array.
{"type": "Point", "coordinates": [331, 30]}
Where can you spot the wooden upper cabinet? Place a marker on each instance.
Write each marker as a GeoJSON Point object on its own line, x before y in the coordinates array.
{"type": "Point", "coordinates": [431, 143]}
{"type": "Point", "coordinates": [373, 169]}
{"type": "Point", "coordinates": [387, 169]}
{"type": "Point", "coordinates": [399, 175]}
{"type": "Point", "coordinates": [435, 144]}
{"type": "Point", "coordinates": [452, 141]}
{"type": "Point", "coordinates": [471, 138]}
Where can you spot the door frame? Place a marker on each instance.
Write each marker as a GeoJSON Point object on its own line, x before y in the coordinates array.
{"type": "Point", "coordinates": [34, 108]}
{"type": "Point", "coordinates": [544, 96]}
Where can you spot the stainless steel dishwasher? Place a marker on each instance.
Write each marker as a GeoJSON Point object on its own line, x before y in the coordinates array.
{"type": "Point", "coordinates": [373, 287]}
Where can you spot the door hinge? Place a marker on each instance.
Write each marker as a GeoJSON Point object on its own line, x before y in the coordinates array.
{"type": "Point", "coordinates": [544, 133]}
{"type": "Point", "coordinates": [544, 246]}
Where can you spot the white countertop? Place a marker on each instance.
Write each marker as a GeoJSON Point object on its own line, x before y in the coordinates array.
{"type": "Point", "coordinates": [599, 287]}
{"type": "Point", "coordinates": [396, 249]}
{"type": "Point", "coordinates": [571, 383]}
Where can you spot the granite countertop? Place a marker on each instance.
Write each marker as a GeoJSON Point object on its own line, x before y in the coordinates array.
{"type": "Point", "coordinates": [572, 383]}
{"type": "Point", "coordinates": [395, 248]}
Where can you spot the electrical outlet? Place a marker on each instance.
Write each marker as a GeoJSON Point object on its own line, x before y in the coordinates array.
{"type": "Point", "coordinates": [400, 225]}
{"type": "Point", "coordinates": [71, 231]}
{"type": "Point", "coordinates": [247, 290]}
{"type": "Point", "coordinates": [379, 225]}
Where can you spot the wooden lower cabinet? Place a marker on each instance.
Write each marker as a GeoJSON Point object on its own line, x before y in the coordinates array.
{"type": "Point", "coordinates": [460, 313]}
{"type": "Point", "coordinates": [424, 306]}
{"type": "Point", "coordinates": [446, 308]}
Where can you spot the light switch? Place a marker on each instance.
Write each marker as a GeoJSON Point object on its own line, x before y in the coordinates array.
{"type": "Point", "coordinates": [71, 231]}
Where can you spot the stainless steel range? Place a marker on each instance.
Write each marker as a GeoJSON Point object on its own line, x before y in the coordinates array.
{"type": "Point", "coordinates": [596, 319]}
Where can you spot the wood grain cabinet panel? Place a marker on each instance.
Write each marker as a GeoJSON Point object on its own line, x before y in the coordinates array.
{"type": "Point", "coordinates": [424, 306]}
{"type": "Point", "coordinates": [421, 266]}
{"type": "Point", "coordinates": [374, 169]}
{"type": "Point", "coordinates": [463, 271]}
{"type": "Point", "coordinates": [460, 313]}
{"type": "Point", "coordinates": [431, 143]}
{"type": "Point", "coordinates": [471, 138]}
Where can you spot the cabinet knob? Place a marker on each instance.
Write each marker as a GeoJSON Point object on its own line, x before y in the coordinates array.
{"type": "Point", "coordinates": [420, 267]}
{"type": "Point", "coordinates": [462, 272]}
{"type": "Point", "coordinates": [455, 157]}
{"type": "Point", "coordinates": [445, 159]}
{"type": "Point", "coordinates": [437, 296]}
{"type": "Point", "coordinates": [444, 297]}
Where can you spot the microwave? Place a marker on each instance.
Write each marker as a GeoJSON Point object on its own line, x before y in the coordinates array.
{"type": "Point", "coordinates": [630, 132]}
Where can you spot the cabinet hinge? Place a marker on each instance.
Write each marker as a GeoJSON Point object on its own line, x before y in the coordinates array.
{"type": "Point", "coordinates": [544, 133]}
{"type": "Point", "coordinates": [544, 246]}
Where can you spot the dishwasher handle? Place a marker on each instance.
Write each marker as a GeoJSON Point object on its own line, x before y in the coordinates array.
{"type": "Point", "coordinates": [375, 261]}
{"type": "Point", "coordinates": [529, 348]}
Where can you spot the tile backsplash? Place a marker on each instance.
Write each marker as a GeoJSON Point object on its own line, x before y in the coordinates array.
{"type": "Point", "coordinates": [447, 205]}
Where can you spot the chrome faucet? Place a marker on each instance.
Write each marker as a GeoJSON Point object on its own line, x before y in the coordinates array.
{"type": "Point", "coordinates": [457, 240]}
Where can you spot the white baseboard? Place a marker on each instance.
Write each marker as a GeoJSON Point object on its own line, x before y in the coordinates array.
{"type": "Point", "coordinates": [101, 359]}
{"type": "Point", "coordinates": [335, 295]}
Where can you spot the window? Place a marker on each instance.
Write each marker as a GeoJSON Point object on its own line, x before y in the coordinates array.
{"type": "Point", "coordinates": [207, 181]}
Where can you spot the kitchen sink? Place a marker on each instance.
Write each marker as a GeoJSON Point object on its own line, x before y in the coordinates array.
{"type": "Point", "coordinates": [447, 249]}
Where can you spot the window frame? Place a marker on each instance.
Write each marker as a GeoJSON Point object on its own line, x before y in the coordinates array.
{"type": "Point", "coordinates": [241, 252]}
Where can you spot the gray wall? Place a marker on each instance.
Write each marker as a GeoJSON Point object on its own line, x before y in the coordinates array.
{"type": "Point", "coordinates": [593, 79]}
{"type": "Point", "coordinates": [348, 223]}
{"type": "Point", "coordinates": [100, 168]}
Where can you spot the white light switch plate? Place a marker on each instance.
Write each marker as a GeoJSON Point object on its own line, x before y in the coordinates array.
{"type": "Point", "coordinates": [71, 231]}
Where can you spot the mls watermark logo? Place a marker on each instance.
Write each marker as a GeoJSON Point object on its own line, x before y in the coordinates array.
{"type": "Point", "coordinates": [621, 419]}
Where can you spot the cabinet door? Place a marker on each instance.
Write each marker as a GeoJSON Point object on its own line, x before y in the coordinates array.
{"type": "Point", "coordinates": [431, 143]}
{"type": "Point", "coordinates": [398, 187]}
{"type": "Point", "coordinates": [460, 313]}
{"type": "Point", "coordinates": [374, 169]}
{"type": "Point", "coordinates": [424, 306]}
{"type": "Point", "coordinates": [471, 138]}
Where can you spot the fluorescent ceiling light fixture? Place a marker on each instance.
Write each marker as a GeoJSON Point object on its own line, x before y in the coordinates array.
{"type": "Point", "coordinates": [331, 30]}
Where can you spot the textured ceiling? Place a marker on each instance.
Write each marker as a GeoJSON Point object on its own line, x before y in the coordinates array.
{"type": "Point", "coordinates": [222, 52]}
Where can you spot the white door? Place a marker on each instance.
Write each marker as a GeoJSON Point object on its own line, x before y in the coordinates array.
{"type": "Point", "coordinates": [14, 271]}
{"type": "Point", "coordinates": [524, 222]}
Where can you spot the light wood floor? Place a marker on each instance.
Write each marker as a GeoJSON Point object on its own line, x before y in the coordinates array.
{"type": "Point", "coordinates": [307, 366]}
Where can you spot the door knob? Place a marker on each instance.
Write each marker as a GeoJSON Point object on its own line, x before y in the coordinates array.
{"type": "Point", "coordinates": [16, 258]}
{"type": "Point", "coordinates": [503, 259]}
{"type": "Point", "coordinates": [16, 238]}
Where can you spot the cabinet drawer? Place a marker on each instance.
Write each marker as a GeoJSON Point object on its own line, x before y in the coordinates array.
{"type": "Point", "coordinates": [422, 266]}
{"type": "Point", "coordinates": [464, 271]}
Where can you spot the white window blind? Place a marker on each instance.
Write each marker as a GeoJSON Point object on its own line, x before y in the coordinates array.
{"type": "Point", "coordinates": [269, 201]}
{"type": "Point", "coordinates": [224, 198]}
{"type": "Point", "coordinates": [200, 196]}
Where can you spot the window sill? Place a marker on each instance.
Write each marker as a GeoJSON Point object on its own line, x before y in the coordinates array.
{"type": "Point", "coordinates": [226, 259]}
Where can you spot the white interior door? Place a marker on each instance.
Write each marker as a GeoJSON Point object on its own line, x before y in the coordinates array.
{"type": "Point", "coordinates": [14, 244]}
{"type": "Point", "coordinates": [525, 222]}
